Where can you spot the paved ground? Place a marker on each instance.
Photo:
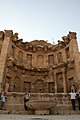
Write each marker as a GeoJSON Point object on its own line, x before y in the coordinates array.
{"type": "Point", "coordinates": [38, 117]}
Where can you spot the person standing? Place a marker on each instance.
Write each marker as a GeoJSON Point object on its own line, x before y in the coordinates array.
{"type": "Point", "coordinates": [73, 98]}
{"type": "Point", "coordinates": [3, 99]}
{"type": "Point", "coordinates": [78, 98]}
{"type": "Point", "coordinates": [26, 99]}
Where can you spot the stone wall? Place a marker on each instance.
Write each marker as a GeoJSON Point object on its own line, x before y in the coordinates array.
{"type": "Point", "coordinates": [38, 67]}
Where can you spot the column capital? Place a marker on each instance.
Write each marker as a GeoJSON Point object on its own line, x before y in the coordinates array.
{"type": "Point", "coordinates": [8, 33]}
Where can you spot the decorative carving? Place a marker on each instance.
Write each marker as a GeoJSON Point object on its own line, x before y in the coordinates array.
{"type": "Point", "coordinates": [10, 61]}
{"type": "Point", "coordinates": [39, 86]}
{"type": "Point", "coordinates": [59, 56]}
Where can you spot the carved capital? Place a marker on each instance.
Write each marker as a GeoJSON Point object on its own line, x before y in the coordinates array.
{"type": "Point", "coordinates": [72, 35]}
{"type": "Point", "coordinates": [8, 33]}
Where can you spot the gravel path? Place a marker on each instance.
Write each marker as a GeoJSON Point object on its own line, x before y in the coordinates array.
{"type": "Point", "coordinates": [38, 117]}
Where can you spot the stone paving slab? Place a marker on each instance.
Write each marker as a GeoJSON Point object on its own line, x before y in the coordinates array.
{"type": "Point", "coordinates": [38, 117]}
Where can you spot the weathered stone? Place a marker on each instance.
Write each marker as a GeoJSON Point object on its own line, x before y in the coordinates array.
{"type": "Point", "coordinates": [45, 71]}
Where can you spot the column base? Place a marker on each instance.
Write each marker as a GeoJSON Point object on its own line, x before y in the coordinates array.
{"type": "Point", "coordinates": [41, 112]}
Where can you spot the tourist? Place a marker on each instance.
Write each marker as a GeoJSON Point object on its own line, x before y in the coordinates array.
{"type": "Point", "coordinates": [3, 99]}
{"type": "Point", "coordinates": [73, 98]}
{"type": "Point", "coordinates": [26, 99]}
{"type": "Point", "coordinates": [78, 97]}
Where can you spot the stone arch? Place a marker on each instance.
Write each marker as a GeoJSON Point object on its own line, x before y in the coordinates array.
{"type": "Point", "coordinates": [16, 84]}
{"type": "Point", "coordinates": [60, 58]}
{"type": "Point", "coordinates": [20, 57]}
{"type": "Point", "coordinates": [40, 61]}
{"type": "Point", "coordinates": [39, 86]}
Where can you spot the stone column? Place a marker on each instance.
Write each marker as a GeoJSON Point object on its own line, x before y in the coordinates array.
{"type": "Point", "coordinates": [75, 55]}
{"type": "Point", "coordinates": [3, 56]}
{"type": "Point", "coordinates": [55, 82]}
{"type": "Point", "coordinates": [64, 80]}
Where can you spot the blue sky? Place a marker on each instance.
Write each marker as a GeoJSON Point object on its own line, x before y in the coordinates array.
{"type": "Point", "coordinates": [41, 19]}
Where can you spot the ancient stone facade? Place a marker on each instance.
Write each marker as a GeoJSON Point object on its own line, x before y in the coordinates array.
{"type": "Point", "coordinates": [44, 70]}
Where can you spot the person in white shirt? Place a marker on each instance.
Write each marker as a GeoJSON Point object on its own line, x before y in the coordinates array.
{"type": "Point", "coordinates": [3, 99]}
{"type": "Point", "coordinates": [73, 98]}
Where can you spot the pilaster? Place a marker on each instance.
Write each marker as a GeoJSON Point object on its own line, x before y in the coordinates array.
{"type": "Point", "coordinates": [3, 56]}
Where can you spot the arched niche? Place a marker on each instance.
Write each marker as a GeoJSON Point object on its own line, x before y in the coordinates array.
{"type": "Point", "coordinates": [59, 57]}
{"type": "Point", "coordinates": [27, 86]}
{"type": "Point", "coordinates": [40, 61]}
{"type": "Point", "coordinates": [39, 86]}
{"type": "Point", "coordinates": [51, 59]}
{"type": "Point", "coordinates": [29, 60]}
{"type": "Point", "coordinates": [16, 84]}
{"type": "Point", "coordinates": [60, 88]}
{"type": "Point", "coordinates": [20, 57]}
{"type": "Point", "coordinates": [51, 87]}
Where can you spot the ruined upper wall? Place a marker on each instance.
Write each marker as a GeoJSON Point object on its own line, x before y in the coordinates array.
{"type": "Point", "coordinates": [37, 45]}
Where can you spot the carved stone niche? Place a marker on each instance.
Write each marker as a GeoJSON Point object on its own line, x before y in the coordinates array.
{"type": "Point", "coordinates": [45, 48]}
{"type": "Point", "coordinates": [39, 86]}
{"type": "Point", "coordinates": [27, 47]}
{"type": "Point", "coordinates": [1, 35]}
{"type": "Point", "coordinates": [8, 33]}
{"type": "Point", "coordinates": [34, 48]}
{"type": "Point", "coordinates": [40, 48]}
